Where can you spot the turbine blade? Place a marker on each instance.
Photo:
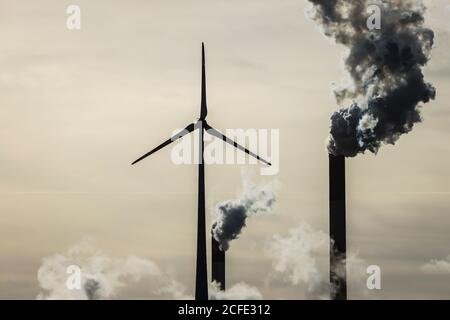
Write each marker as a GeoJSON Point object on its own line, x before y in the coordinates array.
{"type": "Point", "coordinates": [179, 135]}
{"type": "Point", "coordinates": [203, 107]}
{"type": "Point", "coordinates": [219, 135]}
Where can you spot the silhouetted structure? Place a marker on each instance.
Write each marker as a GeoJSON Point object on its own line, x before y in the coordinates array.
{"type": "Point", "coordinates": [217, 264]}
{"type": "Point", "coordinates": [338, 244]}
{"type": "Point", "coordinates": [201, 280]}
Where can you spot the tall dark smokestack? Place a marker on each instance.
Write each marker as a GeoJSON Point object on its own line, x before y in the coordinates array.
{"type": "Point", "coordinates": [218, 264]}
{"type": "Point", "coordinates": [338, 241]}
{"type": "Point", "coordinates": [383, 97]}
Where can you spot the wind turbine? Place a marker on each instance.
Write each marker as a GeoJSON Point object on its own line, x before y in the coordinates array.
{"type": "Point", "coordinates": [201, 280]}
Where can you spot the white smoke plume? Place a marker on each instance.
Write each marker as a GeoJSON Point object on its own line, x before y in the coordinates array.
{"type": "Point", "coordinates": [385, 68]}
{"type": "Point", "coordinates": [301, 259]}
{"type": "Point", "coordinates": [356, 275]}
{"type": "Point", "coordinates": [239, 291]}
{"type": "Point", "coordinates": [232, 214]}
{"type": "Point", "coordinates": [102, 277]}
{"type": "Point", "coordinates": [437, 266]}
{"type": "Point", "coordinates": [294, 257]}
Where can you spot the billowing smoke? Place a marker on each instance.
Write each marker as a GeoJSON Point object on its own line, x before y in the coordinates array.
{"type": "Point", "coordinates": [387, 84]}
{"type": "Point", "coordinates": [101, 277]}
{"type": "Point", "coordinates": [232, 214]}
{"type": "Point", "coordinates": [301, 259]}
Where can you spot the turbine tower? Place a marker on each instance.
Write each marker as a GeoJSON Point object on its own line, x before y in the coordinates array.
{"type": "Point", "coordinates": [201, 279]}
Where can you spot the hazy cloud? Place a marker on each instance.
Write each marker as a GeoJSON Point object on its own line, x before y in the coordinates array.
{"type": "Point", "coordinates": [437, 266]}
{"type": "Point", "coordinates": [239, 291]}
{"type": "Point", "coordinates": [102, 277]}
{"type": "Point", "coordinates": [301, 258]}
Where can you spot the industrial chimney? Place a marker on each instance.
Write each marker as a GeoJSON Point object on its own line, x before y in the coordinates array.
{"type": "Point", "coordinates": [338, 244]}
{"type": "Point", "coordinates": [218, 264]}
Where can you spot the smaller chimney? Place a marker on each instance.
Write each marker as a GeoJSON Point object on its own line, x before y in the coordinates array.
{"type": "Point", "coordinates": [218, 264]}
{"type": "Point", "coordinates": [338, 238]}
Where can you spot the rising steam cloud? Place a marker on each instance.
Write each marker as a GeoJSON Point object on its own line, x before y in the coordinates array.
{"type": "Point", "coordinates": [232, 214]}
{"type": "Point", "coordinates": [387, 83]}
{"type": "Point", "coordinates": [301, 258]}
{"type": "Point", "coordinates": [297, 258]}
{"type": "Point", "coordinates": [239, 291]}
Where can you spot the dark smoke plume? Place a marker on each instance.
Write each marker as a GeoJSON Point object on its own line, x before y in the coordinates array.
{"type": "Point", "coordinates": [387, 83]}
{"type": "Point", "coordinates": [232, 214]}
{"type": "Point", "coordinates": [92, 288]}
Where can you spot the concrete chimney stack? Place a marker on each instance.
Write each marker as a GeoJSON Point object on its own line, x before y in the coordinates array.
{"type": "Point", "coordinates": [338, 239]}
{"type": "Point", "coordinates": [218, 264]}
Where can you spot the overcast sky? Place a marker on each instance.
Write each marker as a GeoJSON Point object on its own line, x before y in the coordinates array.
{"type": "Point", "coordinates": [78, 106]}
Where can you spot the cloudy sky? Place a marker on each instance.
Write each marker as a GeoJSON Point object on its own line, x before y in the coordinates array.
{"type": "Point", "coordinates": [78, 106]}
